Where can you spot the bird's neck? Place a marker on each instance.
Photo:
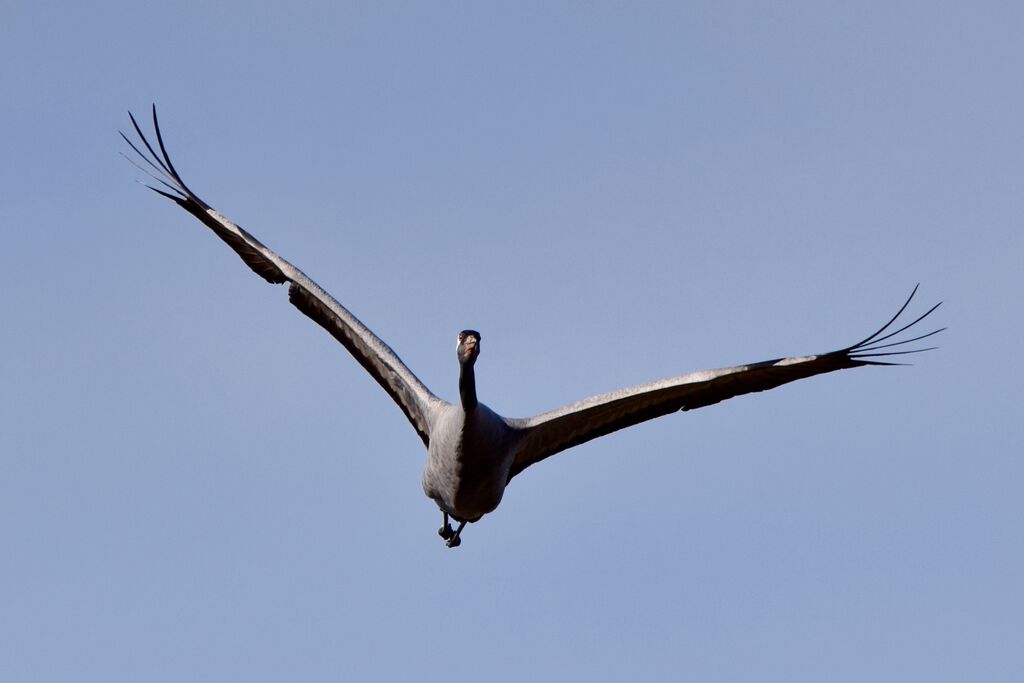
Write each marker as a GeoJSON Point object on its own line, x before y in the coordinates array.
{"type": "Point", "coordinates": [467, 386]}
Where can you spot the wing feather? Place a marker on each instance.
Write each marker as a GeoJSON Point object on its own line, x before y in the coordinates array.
{"type": "Point", "coordinates": [552, 432]}
{"type": "Point", "coordinates": [376, 357]}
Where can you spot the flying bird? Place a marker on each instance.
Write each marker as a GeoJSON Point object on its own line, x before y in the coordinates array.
{"type": "Point", "coordinates": [472, 452]}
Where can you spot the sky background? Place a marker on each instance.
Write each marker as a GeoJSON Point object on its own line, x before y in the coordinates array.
{"type": "Point", "coordinates": [198, 484]}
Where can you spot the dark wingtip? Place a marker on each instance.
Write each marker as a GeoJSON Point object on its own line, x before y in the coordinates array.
{"type": "Point", "coordinates": [175, 197]}
{"type": "Point", "coordinates": [872, 346]}
{"type": "Point", "coordinates": [160, 162]}
{"type": "Point", "coordinates": [883, 328]}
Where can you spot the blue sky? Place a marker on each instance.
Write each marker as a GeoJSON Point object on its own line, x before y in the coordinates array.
{"type": "Point", "coordinates": [197, 483]}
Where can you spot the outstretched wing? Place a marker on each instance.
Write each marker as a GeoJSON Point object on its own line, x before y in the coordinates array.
{"type": "Point", "coordinates": [374, 355]}
{"type": "Point", "coordinates": [557, 430]}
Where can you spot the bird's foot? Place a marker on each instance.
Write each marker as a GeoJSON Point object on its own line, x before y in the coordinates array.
{"type": "Point", "coordinates": [446, 532]}
{"type": "Point", "coordinates": [456, 540]}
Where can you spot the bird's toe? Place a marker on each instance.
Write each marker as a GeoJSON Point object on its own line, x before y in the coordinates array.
{"type": "Point", "coordinates": [445, 532]}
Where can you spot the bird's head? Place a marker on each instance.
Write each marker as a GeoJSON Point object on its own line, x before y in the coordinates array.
{"type": "Point", "coordinates": [468, 346]}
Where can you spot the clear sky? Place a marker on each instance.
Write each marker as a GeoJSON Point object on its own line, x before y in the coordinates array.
{"type": "Point", "coordinates": [198, 484]}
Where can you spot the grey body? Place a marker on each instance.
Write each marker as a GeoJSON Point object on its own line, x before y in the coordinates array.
{"type": "Point", "coordinates": [468, 460]}
{"type": "Point", "coordinates": [472, 452]}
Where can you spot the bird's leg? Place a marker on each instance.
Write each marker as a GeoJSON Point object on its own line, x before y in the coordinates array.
{"type": "Point", "coordinates": [455, 541]}
{"type": "Point", "coordinates": [445, 531]}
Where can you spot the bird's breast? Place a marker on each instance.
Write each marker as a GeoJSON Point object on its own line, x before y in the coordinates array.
{"type": "Point", "coordinates": [468, 462]}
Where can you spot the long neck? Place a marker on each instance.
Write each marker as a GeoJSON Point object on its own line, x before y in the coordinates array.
{"type": "Point", "coordinates": [467, 386]}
